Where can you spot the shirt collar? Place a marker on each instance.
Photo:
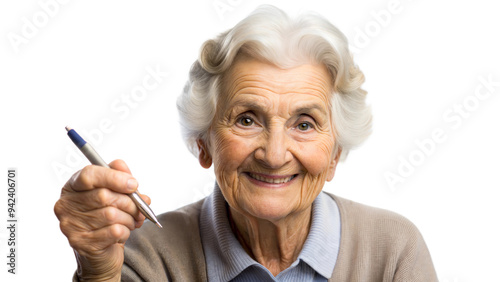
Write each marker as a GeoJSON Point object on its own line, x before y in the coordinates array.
{"type": "Point", "coordinates": [321, 247]}
{"type": "Point", "coordinates": [226, 258]}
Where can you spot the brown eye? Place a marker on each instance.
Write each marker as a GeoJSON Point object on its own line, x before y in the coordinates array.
{"type": "Point", "coordinates": [303, 126]}
{"type": "Point", "coordinates": [246, 121]}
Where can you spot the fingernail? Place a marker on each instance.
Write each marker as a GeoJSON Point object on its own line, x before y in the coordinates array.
{"type": "Point", "coordinates": [132, 184]}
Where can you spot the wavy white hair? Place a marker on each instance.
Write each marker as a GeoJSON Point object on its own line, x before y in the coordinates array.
{"type": "Point", "coordinates": [268, 34]}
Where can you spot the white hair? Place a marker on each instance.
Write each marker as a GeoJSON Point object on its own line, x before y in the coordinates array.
{"type": "Point", "coordinates": [268, 34]}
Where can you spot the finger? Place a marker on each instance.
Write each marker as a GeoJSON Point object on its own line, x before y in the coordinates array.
{"type": "Point", "coordinates": [92, 177]}
{"type": "Point", "coordinates": [140, 219]}
{"type": "Point", "coordinates": [145, 198]}
{"type": "Point", "coordinates": [89, 244]}
{"type": "Point", "coordinates": [110, 235]}
{"type": "Point", "coordinates": [81, 202]}
{"type": "Point", "coordinates": [120, 165]}
{"type": "Point", "coordinates": [97, 219]}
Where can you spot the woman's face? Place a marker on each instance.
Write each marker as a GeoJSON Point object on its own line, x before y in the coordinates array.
{"type": "Point", "coordinates": [272, 141]}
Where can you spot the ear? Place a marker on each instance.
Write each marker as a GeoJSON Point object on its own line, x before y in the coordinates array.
{"type": "Point", "coordinates": [204, 156]}
{"type": "Point", "coordinates": [333, 165]}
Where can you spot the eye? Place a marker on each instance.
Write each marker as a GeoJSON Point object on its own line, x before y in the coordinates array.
{"type": "Point", "coordinates": [245, 121]}
{"type": "Point", "coordinates": [304, 126]}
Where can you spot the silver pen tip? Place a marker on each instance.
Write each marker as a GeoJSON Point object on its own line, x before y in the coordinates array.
{"type": "Point", "coordinates": [158, 224]}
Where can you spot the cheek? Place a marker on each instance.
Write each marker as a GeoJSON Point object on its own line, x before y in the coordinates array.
{"type": "Point", "coordinates": [316, 156]}
{"type": "Point", "coordinates": [230, 151]}
{"type": "Point", "coordinates": [315, 159]}
{"type": "Point", "coordinates": [229, 155]}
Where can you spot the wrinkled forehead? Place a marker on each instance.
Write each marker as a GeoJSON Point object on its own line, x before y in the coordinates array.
{"type": "Point", "coordinates": [251, 76]}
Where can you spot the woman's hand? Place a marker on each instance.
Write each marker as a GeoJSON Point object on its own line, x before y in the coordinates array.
{"type": "Point", "coordinates": [97, 215]}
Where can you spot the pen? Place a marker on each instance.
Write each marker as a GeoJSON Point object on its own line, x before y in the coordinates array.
{"type": "Point", "coordinates": [95, 159]}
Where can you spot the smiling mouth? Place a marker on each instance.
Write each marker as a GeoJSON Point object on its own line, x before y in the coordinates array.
{"type": "Point", "coordinates": [273, 179]}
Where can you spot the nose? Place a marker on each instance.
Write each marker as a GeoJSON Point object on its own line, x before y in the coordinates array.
{"type": "Point", "coordinates": [274, 151]}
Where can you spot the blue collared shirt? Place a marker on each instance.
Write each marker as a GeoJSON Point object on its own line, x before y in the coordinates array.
{"type": "Point", "coordinates": [226, 259]}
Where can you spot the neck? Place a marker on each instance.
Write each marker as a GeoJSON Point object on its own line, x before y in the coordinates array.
{"type": "Point", "coordinates": [274, 244]}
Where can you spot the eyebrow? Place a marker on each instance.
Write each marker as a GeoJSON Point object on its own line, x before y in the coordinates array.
{"type": "Point", "coordinates": [307, 108]}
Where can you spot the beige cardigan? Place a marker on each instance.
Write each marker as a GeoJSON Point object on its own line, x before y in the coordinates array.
{"type": "Point", "coordinates": [375, 245]}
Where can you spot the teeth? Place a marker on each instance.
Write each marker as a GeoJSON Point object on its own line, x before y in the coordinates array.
{"type": "Point", "coordinates": [271, 180]}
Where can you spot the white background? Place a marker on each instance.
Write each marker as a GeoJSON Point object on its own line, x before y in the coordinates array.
{"type": "Point", "coordinates": [420, 63]}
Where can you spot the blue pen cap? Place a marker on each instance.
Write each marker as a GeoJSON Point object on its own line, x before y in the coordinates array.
{"type": "Point", "coordinates": [76, 138]}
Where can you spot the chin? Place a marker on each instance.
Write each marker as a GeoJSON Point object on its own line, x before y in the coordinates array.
{"type": "Point", "coordinates": [269, 209]}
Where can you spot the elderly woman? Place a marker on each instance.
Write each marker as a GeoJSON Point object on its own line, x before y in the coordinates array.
{"type": "Point", "coordinates": [273, 104]}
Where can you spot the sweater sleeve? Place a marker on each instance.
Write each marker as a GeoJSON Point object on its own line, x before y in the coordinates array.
{"type": "Point", "coordinates": [415, 263]}
{"type": "Point", "coordinates": [171, 253]}
{"type": "Point", "coordinates": [379, 245]}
